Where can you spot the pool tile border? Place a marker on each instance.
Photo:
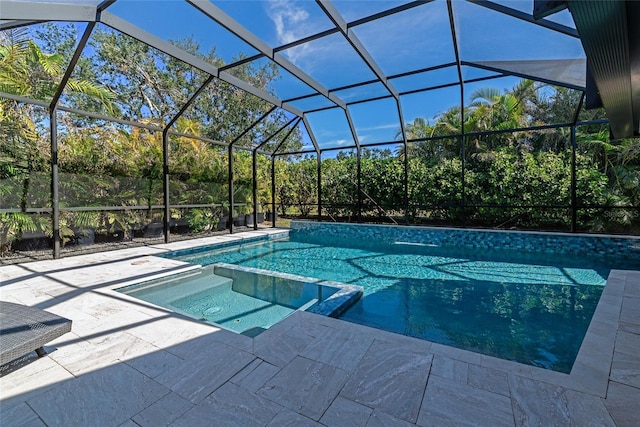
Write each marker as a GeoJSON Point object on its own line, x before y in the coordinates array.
{"type": "Point", "coordinates": [627, 247]}
{"type": "Point", "coordinates": [280, 234]}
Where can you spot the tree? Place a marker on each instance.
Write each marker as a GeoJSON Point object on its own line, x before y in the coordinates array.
{"type": "Point", "coordinates": [27, 71]}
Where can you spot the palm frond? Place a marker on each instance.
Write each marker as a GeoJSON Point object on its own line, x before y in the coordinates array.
{"type": "Point", "coordinates": [97, 92]}
{"type": "Point", "coordinates": [484, 95]}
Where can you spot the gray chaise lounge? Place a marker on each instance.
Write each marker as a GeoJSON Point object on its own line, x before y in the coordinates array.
{"type": "Point", "coordinates": [24, 329]}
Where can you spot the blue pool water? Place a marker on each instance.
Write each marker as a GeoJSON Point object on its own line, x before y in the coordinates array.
{"type": "Point", "coordinates": [523, 306]}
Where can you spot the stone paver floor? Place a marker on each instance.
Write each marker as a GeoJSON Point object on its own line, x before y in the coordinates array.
{"type": "Point", "coordinates": [128, 363]}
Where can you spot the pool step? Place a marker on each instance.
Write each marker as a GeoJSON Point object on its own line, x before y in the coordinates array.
{"type": "Point", "coordinates": [165, 292]}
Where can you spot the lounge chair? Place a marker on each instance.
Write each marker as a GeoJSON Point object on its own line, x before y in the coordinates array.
{"type": "Point", "coordinates": [24, 329]}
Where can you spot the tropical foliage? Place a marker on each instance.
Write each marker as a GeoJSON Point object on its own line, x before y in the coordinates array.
{"type": "Point", "coordinates": [115, 166]}
{"type": "Point", "coordinates": [510, 179]}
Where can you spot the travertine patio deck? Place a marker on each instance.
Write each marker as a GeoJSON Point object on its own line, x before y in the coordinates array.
{"type": "Point", "coordinates": [129, 363]}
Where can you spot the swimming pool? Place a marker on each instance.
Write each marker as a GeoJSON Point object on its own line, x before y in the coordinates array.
{"type": "Point", "coordinates": [531, 306]}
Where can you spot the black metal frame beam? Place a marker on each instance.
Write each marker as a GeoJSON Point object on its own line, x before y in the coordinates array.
{"type": "Point", "coordinates": [334, 30]}
{"type": "Point", "coordinates": [40, 11]}
{"type": "Point", "coordinates": [53, 129]}
{"type": "Point", "coordinates": [457, 135]}
{"type": "Point", "coordinates": [411, 92]}
{"type": "Point", "coordinates": [273, 176]}
{"type": "Point", "coordinates": [219, 16]}
{"type": "Point", "coordinates": [312, 136]}
{"type": "Point", "coordinates": [165, 157]}
{"type": "Point", "coordinates": [355, 43]}
{"type": "Point", "coordinates": [254, 160]}
{"type": "Point", "coordinates": [133, 31]}
{"type": "Point", "coordinates": [19, 13]}
{"type": "Point", "coordinates": [527, 17]}
{"type": "Point", "coordinates": [462, 133]}
{"type": "Point", "coordinates": [230, 164]}
{"type": "Point", "coordinates": [17, 23]}
{"type": "Point", "coordinates": [574, 179]}
{"type": "Point", "coordinates": [522, 75]}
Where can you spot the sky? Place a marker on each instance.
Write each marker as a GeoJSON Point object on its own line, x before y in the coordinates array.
{"type": "Point", "coordinates": [409, 40]}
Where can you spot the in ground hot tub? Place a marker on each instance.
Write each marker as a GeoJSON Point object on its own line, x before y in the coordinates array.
{"type": "Point", "coordinates": [244, 300]}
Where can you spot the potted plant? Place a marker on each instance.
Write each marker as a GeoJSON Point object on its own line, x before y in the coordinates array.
{"type": "Point", "coordinates": [222, 223]}
{"type": "Point", "coordinates": [240, 220]}
{"type": "Point", "coordinates": [223, 216]}
{"type": "Point", "coordinates": [272, 216]}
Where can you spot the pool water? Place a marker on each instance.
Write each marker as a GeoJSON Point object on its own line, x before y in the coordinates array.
{"type": "Point", "coordinates": [521, 306]}
{"type": "Point", "coordinates": [241, 313]}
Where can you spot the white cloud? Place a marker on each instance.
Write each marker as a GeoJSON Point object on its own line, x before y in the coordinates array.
{"type": "Point", "coordinates": [288, 19]}
{"type": "Point", "coordinates": [291, 23]}
{"type": "Point", "coordinates": [339, 143]}
{"type": "Point", "coordinates": [295, 20]}
{"type": "Point", "coordinates": [380, 127]}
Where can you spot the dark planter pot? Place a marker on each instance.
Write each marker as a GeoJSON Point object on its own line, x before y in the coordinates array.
{"type": "Point", "coordinates": [249, 218]}
{"type": "Point", "coordinates": [137, 230]}
{"type": "Point", "coordinates": [222, 225]}
{"type": "Point", "coordinates": [116, 236]}
{"type": "Point", "coordinates": [271, 215]}
{"type": "Point", "coordinates": [154, 229]}
{"type": "Point", "coordinates": [83, 237]}
{"type": "Point", "coordinates": [240, 221]}
{"type": "Point", "coordinates": [179, 226]}
{"type": "Point", "coordinates": [32, 241]}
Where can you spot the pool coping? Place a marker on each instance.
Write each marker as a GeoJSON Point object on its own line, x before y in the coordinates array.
{"type": "Point", "coordinates": [590, 371]}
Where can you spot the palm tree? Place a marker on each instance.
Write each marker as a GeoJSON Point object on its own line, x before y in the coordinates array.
{"type": "Point", "coordinates": [418, 129]}
{"type": "Point", "coordinates": [491, 110]}
{"type": "Point", "coordinates": [27, 71]}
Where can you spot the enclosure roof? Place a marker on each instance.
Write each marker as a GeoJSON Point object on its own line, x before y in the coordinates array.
{"type": "Point", "coordinates": [354, 72]}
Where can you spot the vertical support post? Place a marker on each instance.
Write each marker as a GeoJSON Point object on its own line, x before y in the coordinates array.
{"type": "Point", "coordinates": [255, 164]}
{"type": "Point", "coordinates": [319, 160]}
{"type": "Point", "coordinates": [55, 196]}
{"type": "Point", "coordinates": [462, 177]}
{"type": "Point", "coordinates": [165, 157]}
{"type": "Point", "coordinates": [405, 178]}
{"type": "Point", "coordinates": [273, 192]}
{"type": "Point", "coordinates": [254, 159]}
{"type": "Point", "coordinates": [53, 129]}
{"type": "Point", "coordinates": [405, 172]}
{"type": "Point", "coordinates": [230, 163]}
{"type": "Point", "coordinates": [574, 198]}
{"type": "Point", "coordinates": [165, 185]}
{"type": "Point", "coordinates": [273, 165]}
{"type": "Point", "coordinates": [354, 135]}
{"type": "Point", "coordinates": [461, 80]}
{"type": "Point", "coordinates": [574, 182]}
{"type": "Point", "coordinates": [359, 181]}
{"type": "Point", "coordinates": [230, 186]}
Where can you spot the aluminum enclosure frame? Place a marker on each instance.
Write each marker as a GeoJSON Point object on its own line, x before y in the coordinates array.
{"type": "Point", "coordinates": [16, 14]}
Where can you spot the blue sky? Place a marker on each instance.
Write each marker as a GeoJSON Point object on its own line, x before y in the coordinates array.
{"type": "Point", "coordinates": [414, 39]}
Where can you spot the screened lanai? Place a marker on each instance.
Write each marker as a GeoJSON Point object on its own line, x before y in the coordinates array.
{"type": "Point", "coordinates": [135, 120]}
